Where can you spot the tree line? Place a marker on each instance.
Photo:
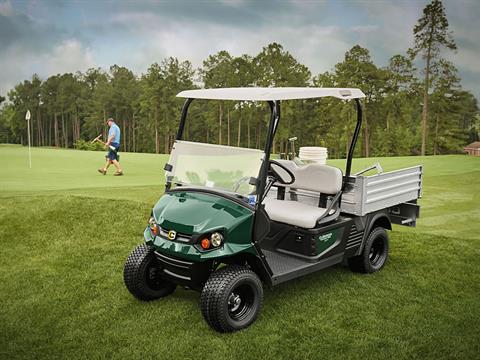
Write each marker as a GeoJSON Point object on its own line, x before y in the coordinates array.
{"type": "Point", "coordinates": [407, 110]}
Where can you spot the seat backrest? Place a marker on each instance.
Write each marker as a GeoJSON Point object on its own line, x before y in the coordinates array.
{"type": "Point", "coordinates": [315, 177]}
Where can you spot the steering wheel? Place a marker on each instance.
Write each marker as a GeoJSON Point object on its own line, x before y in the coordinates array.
{"type": "Point", "coordinates": [277, 175]}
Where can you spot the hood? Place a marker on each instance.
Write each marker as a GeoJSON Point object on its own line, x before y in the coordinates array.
{"type": "Point", "coordinates": [193, 213]}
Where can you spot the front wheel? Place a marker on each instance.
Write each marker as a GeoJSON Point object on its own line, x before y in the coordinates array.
{"type": "Point", "coordinates": [231, 298]}
{"type": "Point", "coordinates": [374, 253]}
{"type": "Point", "coordinates": [141, 275]}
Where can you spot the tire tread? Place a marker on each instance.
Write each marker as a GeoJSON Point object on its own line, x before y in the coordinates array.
{"type": "Point", "coordinates": [134, 278]}
{"type": "Point", "coordinates": [214, 295]}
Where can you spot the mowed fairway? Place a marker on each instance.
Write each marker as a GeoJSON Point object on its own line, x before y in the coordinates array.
{"type": "Point", "coordinates": [65, 231]}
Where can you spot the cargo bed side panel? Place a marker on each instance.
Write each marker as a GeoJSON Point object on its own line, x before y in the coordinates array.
{"type": "Point", "coordinates": [368, 194]}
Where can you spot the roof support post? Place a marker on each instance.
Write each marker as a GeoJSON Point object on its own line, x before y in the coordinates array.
{"type": "Point", "coordinates": [181, 126]}
{"type": "Point", "coordinates": [354, 142]}
{"type": "Point", "coordinates": [272, 128]}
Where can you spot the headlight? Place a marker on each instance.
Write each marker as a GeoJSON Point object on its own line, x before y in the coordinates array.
{"type": "Point", "coordinates": [152, 224]}
{"type": "Point", "coordinates": [216, 239]}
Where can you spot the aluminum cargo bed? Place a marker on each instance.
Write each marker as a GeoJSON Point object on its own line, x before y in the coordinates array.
{"type": "Point", "coordinates": [366, 194]}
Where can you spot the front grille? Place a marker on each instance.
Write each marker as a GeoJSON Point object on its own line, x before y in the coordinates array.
{"type": "Point", "coordinates": [180, 237]}
{"type": "Point", "coordinates": [182, 271]}
{"type": "Point", "coordinates": [354, 237]}
{"type": "Point", "coordinates": [175, 269]}
{"type": "Point", "coordinates": [173, 261]}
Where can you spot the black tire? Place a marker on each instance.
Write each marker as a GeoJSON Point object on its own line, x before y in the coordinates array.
{"type": "Point", "coordinates": [141, 275]}
{"type": "Point", "coordinates": [374, 254]}
{"type": "Point", "coordinates": [231, 298]}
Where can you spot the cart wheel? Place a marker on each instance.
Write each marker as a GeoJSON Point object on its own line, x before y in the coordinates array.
{"type": "Point", "coordinates": [141, 275]}
{"type": "Point", "coordinates": [231, 298]}
{"type": "Point", "coordinates": [374, 254]}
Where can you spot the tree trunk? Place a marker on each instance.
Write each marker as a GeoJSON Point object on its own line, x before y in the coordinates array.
{"type": "Point", "coordinates": [63, 130]}
{"type": "Point", "coordinates": [259, 132]}
{"type": "Point", "coordinates": [55, 129]}
{"type": "Point", "coordinates": [134, 143]}
{"type": "Point", "coordinates": [220, 116]}
{"type": "Point", "coordinates": [228, 126]}
{"type": "Point", "coordinates": [239, 128]}
{"type": "Point", "coordinates": [39, 127]}
{"type": "Point", "coordinates": [366, 132]}
{"type": "Point", "coordinates": [78, 126]}
{"type": "Point", "coordinates": [157, 139]}
{"type": "Point", "coordinates": [74, 130]}
{"type": "Point", "coordinates": [435, 144]}
{"type": "Point", "coordinates": [346, 146]}
{"type": "Point", "coordinates": [248, 131]}
{"type": "Point", "coordinates": [50, 133]}
{"type": "Point", "coordinates": [424, 117]}
{"type": "Point", "coordinates": [167, 140]}
{"type": "Point", "coordinates": [425, 101]}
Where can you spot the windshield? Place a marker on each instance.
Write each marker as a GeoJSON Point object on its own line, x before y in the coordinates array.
{"type": "Point", "coordinates": [214, 166]}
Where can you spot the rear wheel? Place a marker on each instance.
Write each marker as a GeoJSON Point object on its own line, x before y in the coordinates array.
{"type": "Point", "coordinates": [231, 298]}
{"type": "Point", "coordinates": [141, 275]}
{"type": "Point", "coordinates": [374, 253]}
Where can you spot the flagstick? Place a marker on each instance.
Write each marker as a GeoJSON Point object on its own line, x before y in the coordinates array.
{"type": "Point", "coordinates": [29, 147]}
{"type": "Point", "coordinates": [27, 117]}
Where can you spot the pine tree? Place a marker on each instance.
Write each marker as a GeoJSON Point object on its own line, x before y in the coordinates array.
{"type": "Point", "coordinates": [431, 34]}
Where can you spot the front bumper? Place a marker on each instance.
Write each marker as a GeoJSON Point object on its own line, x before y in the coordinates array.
{"type": "Point", "coordinates": [182, 272]}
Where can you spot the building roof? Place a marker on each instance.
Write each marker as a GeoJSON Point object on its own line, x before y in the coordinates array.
{"type": "Point", "coordinates": [474, 145]}
{"type": "Point", "coordinates": [271, 94]}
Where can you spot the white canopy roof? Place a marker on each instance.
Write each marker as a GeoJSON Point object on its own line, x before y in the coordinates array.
{"type": "Point", "coordinates": [269, 94]}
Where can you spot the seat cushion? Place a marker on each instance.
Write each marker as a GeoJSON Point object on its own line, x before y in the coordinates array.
{"type": "Point", "coordinates": [293, 212]}
{"type": "Point", "coordinates": [315, 177]}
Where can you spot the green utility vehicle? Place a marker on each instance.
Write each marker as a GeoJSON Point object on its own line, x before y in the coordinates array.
{"type": "Point", "coordinates": [233, 220]}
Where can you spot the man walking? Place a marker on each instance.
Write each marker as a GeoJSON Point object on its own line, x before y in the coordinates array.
{"type": "Point", "coordinates": [112, 144]}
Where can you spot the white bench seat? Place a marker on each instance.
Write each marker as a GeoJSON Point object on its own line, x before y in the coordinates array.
{"type": "Point", "coordinates": [322, 179]}
{"type": "Point", "coordinates": [293, 212]}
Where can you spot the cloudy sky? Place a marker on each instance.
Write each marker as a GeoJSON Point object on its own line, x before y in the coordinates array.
{"type": "Point", "coordinates": [49, 37]}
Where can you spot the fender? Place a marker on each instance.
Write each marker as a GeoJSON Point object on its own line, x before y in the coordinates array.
{"type": "Point", "coordinates": [379, 218]}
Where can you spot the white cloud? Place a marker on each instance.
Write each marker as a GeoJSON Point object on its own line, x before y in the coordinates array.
{"type": "Point", "coordinates": [319, 47]}
{"type": "Point", "coordinates": [233, 3]}
{"type": "Point", "coordinates": [466, 59]}
{"type": "Point", "coordinates": [19, 64]}
{"type": "Point", "coordinates": [6, 8]}
{"type": "Point", "coordinates": [316, 33]}
{"type": "Point", "coordinates": [69, 56]}
{"type": "Point", "coordinates": [395, 22]}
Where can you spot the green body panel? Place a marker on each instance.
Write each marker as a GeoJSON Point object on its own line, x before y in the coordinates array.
{"type": "Point", "coordinates": [326, 240]}
{"type": "Point", "coordinates": [195, 213]}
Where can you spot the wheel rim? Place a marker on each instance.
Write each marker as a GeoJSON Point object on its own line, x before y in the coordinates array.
{"type": "Point", "coordinates": [377, 252]}
{"type": "Point", "coordinates": [152, 276]}
{"type": "Point", "coordinates": [240, 302]}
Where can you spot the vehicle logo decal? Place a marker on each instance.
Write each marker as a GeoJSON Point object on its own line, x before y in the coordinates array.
{"type": "Point", "coordinates": [172, 234]}
{"type": "Point", "coordinates": [325, 237]}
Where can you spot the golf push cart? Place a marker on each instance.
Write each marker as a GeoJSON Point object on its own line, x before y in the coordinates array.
{"type": "Point", "coordinates": [232, 219]}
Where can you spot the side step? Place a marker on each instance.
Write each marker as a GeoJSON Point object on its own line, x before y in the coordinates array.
{"type": "Point", "coordinates": [286, 267]}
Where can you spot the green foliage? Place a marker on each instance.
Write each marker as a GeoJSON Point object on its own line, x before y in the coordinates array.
{"type": "Point", "coordinates": [431, 32]}
{"type": "Point", "coordinates": [81, 144]}
{"type": "Point", "coordinates": [69, 107]}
